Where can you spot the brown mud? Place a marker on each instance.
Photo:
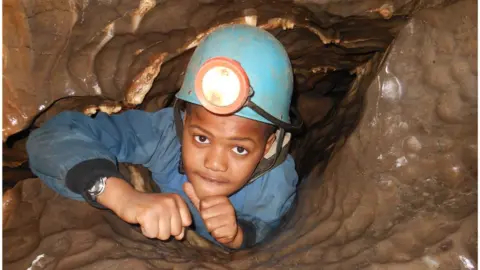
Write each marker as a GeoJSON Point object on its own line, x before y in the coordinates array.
{"type": "Point", "coordinates": [388, 90]}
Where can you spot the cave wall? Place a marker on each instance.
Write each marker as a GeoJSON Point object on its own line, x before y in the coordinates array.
{"type": "Point", "coordinates": [399, 194]}
{"type": "Point", "coordinates": [66, 49]}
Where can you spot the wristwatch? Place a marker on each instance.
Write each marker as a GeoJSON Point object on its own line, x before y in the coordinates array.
{"type": "Point", "coordinates": [97, 188]}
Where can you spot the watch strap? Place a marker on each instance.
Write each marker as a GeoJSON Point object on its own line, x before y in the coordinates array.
{"type": "Point", "coordinates": [84, 175]}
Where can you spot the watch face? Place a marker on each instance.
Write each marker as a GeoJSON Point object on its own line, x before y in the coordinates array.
{"type": "Point", "coordinates": [97, 187]}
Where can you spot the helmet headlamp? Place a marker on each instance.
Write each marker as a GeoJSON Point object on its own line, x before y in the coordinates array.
{"type": "Point", "coordinates": [222, 85]}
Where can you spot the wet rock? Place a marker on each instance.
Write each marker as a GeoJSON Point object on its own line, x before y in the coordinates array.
{"type": "Point", "coordinates": [390, 173]}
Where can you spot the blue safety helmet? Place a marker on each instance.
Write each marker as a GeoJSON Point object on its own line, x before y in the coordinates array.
{"type": "Point", "coordinates": [245, 51]}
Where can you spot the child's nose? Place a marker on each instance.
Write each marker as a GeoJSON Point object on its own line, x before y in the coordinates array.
{"type": "Point", "coordinates": [216, 160]}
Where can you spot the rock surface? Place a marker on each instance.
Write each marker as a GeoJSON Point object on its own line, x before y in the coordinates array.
{"type": "Point", "coordinates": [399, 192]}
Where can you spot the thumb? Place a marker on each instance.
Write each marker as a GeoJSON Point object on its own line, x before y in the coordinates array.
{"type": "Point", "coordinates": [192, 195]}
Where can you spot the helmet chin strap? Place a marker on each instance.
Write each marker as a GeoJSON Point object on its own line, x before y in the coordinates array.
{"type": "Point", "coordinates": [275, 156]}
{"type": "Point", "coordinates": [177, 116]}
{"type": "Point", "coordinates": [273, 159]}
{"type": "Point", "coordinates": [297, 123]}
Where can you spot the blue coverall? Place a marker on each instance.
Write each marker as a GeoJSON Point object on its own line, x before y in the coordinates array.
{"type": "Point", "coordinates": [149, 139]}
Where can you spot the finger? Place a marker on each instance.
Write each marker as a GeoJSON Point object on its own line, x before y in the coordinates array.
{"type": "Point", "coordinates": [164, 228]}
{"type": "Point", "coordinates": [181, 235]}
{"type": "Point", "coordinates": [192, 195]}
{"type": "Point", "coordinates": [218, 210]}
{"type": "Point", "coordinates": [219, 221]}
{"type": "Point", "coordinates": [212, 201]}
{"type": "Point", "coordinates": [224, 233]}
{"type": "Point", "coordinates": [185, 215]}
{"type": "Point", "coordinates": [175, 223]}
{"type": "Point", "coordinates": [144, 232]}
{"type": "Point", "coordinates": [149, 226]}
{"type": "Point", "coordinates": [224, 240]}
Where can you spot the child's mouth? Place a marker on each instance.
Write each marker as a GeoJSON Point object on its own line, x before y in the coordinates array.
{"type": "Point", "coordinates": [213, 180]}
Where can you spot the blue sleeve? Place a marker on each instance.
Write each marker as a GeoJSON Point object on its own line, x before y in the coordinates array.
{"type": "Point", "coordinates": [70, 138]}
{"type": "Point", "coordinates": [269, 198]}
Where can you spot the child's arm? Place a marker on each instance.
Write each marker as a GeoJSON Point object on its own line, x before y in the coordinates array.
{"type": "Point", "coordinates": [72, 150]}
{"type": "Point", "coordinates": [160, 215]}
{"type": "Point", "coordinates": [87, 147]}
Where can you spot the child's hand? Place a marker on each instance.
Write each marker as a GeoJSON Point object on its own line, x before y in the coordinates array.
{"type": "Point", "coordinates": [159, 215]}
{"type": "Point", "coordinates": [219, 217]}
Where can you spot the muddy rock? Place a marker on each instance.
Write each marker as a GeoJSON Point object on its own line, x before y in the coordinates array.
{"type": "Point", "coordinates": [388, 162]}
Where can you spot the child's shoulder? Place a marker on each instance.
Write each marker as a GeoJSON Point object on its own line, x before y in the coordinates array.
{"type": "Point", "coordinates": [283, 174]}
{"type": "Point", "coordinates": [271, 194]}
{"type": "Point", "coordinates": [164, 112]}
{"type": "Point", "coordinates": [160, 122]}
{"type": "Point", "coordinates": [279, 180]}
{"type": "Point", "coordinates": [164, 116]}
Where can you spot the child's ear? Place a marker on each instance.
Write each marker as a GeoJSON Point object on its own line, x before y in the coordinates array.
{"type": "Point", "coordinates": [187, 111]}
{"type": "Point", "coordinates": [185, 117]}
{"type": "Point", "coordinates": [270, 142]}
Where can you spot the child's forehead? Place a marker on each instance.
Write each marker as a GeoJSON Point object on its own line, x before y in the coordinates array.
{"type": "Point", "coordinates": [224, 123]}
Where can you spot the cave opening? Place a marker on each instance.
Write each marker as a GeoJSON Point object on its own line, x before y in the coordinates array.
{"type": "Point", "coordinates": [335, 59]}
{"type": "Point", "coordinates": [324, 76]}
{"type": "Point", "coordinates": [333, 65]}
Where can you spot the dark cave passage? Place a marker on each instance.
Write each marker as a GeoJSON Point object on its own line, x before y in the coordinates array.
{"type": "Point", "coordinates": [324, 76]}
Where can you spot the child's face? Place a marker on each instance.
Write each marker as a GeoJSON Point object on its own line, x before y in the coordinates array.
{"type": "Point", "coordinates": [220, 153]}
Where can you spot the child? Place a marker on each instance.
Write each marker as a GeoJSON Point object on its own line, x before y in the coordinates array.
{"type": "Point", "coordinates": [220, 164]}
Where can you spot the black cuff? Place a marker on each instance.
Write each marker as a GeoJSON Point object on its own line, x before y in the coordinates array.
{"type": "Point", "coordinates": [83, 176]}
{"type": "Point", "coordinates": [249, 233]}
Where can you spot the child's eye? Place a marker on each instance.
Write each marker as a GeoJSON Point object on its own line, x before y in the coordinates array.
{"type": "Point", "coordinates": [201, 139]}
{"type": "Point", "coordinates": [240, 150]}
